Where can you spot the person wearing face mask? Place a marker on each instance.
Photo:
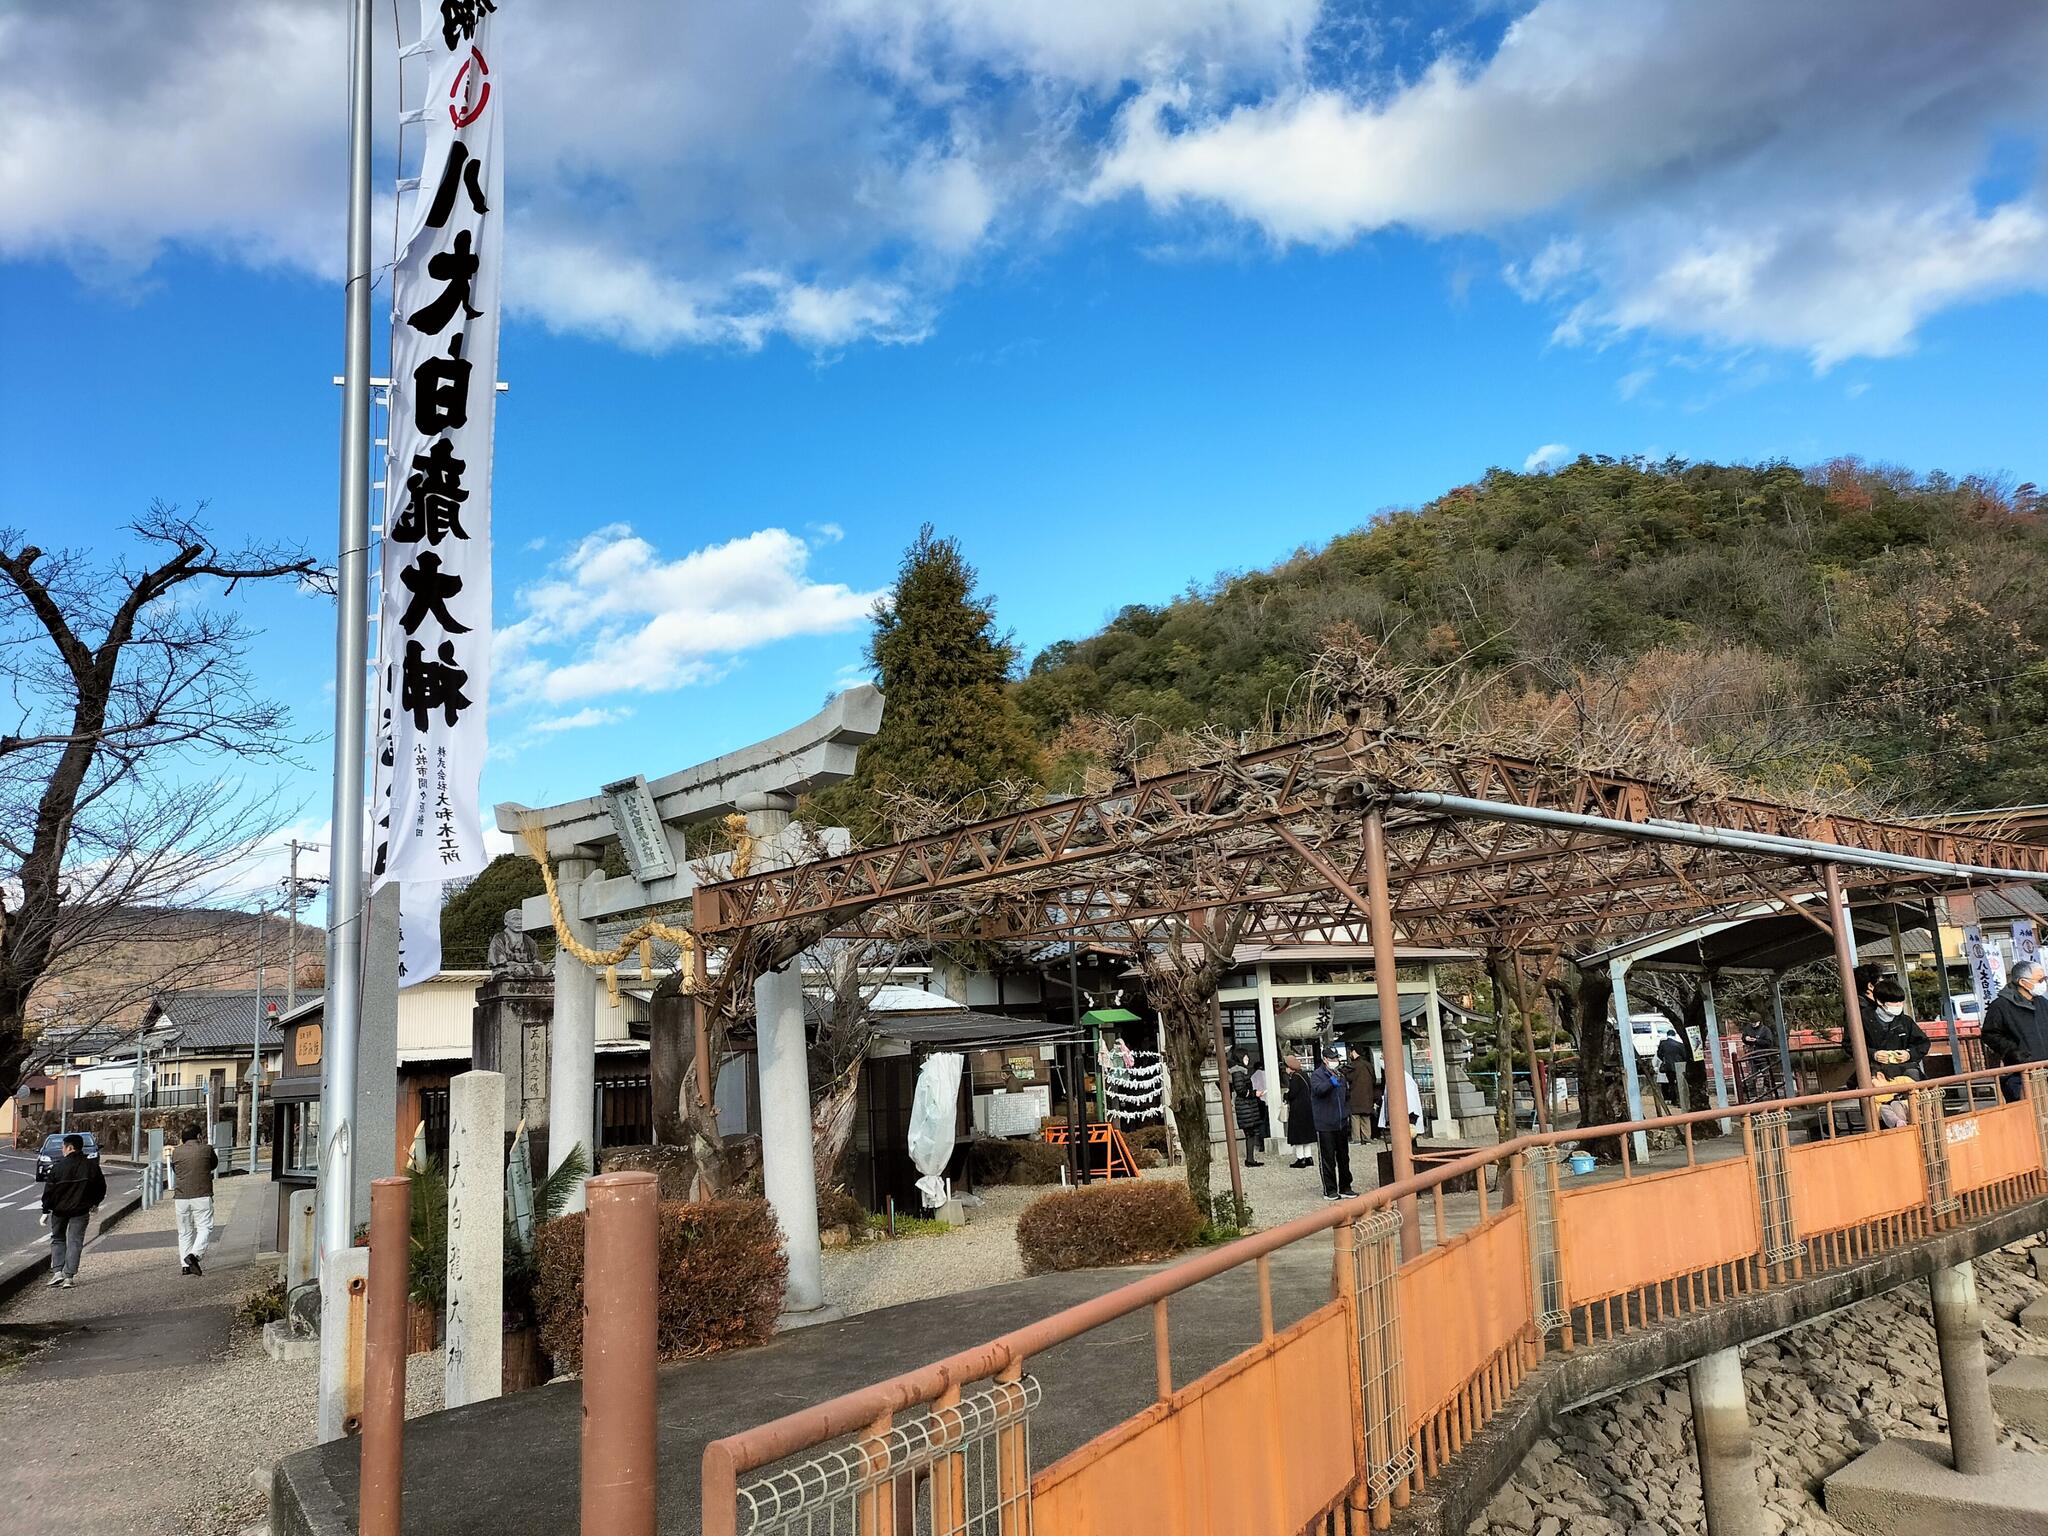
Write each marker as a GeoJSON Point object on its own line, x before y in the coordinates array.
{"type": "Point", "coordinates": [1892, 1035]}
{"type": "Point", "coordinates": [2016, 1025]}
{"type": "Point", "coordinates": [1896, 1042]}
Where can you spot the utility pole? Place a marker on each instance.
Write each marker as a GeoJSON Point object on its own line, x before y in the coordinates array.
{"type": "Point", "coordinates": [291, 943]}
{"type": "Point", "coordinates": [141, 1076]}
{"type": "Point", "coordinates": [256, 1051]}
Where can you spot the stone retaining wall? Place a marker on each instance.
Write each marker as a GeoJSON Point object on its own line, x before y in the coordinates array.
{"type": "Point", "coordinates": [1818, 1397]}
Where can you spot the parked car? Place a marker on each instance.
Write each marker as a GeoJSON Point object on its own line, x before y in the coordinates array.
{"type": "Point", "coordinates": [53, 1148]}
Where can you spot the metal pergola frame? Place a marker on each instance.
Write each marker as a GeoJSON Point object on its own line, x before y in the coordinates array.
{"type": "Point", "coordinates": [1373, 836]}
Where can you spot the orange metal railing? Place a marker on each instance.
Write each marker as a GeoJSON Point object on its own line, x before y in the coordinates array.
{"type": "Point", "coordinates": [1407, 1360]}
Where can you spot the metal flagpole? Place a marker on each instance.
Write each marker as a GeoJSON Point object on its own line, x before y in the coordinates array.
{"type": "Point", "coordinates": [351, 647]}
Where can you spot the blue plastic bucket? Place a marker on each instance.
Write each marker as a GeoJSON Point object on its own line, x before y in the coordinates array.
{"type": "Point", "coordinates": [1582, 1162]}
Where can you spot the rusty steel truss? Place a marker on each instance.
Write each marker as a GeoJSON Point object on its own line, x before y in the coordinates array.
{"type": "Point", "coordinates": [1528, 854]}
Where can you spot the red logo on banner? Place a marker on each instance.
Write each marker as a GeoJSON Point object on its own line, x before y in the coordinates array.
{"type": "Point", "coordinates": [464, 85]}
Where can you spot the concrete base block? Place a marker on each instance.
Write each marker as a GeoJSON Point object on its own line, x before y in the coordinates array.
{"type": "Point", "coordinates": [2034, 1316]}
{"type": "Point", "coordinates": [1907, 1488]}
{"type": "Point", "coordinates": [2019, 1391]}
{"type": "Point", "coordinates": [280, 1343]}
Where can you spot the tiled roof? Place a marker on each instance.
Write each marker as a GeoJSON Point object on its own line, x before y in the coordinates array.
{"type": "Point", "coordinates": [217, 1021]}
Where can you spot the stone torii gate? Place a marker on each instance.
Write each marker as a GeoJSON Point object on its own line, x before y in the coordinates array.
{"type": "Point", "coordinates": [761, 782]}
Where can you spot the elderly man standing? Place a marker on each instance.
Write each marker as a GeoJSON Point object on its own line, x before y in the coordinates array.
{"type": "Point", "coordinates": [192, 1167]}
{"type": "Point", "coordinates": [2016, 1025]}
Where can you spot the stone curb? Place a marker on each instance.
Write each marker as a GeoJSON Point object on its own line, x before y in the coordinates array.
{"type": "Point", "coordinates": [23, 1274]}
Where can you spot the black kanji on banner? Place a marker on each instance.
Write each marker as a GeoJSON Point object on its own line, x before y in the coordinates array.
{"type": "Point", "coordinates": [460, 19]}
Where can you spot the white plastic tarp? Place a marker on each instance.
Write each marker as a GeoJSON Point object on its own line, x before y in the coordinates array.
{"type": "Point", "coordinates": [934, 1109]}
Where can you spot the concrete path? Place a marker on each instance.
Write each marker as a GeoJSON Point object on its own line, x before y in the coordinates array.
{"type": "Point", "coordinates": [512, 1465]}
{"type": "Point", "coordinates": [104, 1411]}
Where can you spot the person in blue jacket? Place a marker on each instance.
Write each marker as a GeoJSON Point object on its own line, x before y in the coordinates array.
{"type": "Point", "coordinates": [1330, 1099]}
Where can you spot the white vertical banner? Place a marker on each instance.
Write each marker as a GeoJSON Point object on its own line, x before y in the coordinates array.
{"type": "Point", "coordinates": [419, 932]}
{"type": "Point", "coordinates": [1987, 965]}
{"type": "Point", "coordinates": [434, 625]}
{"type": "Point", "coordinates": [2026, 942]}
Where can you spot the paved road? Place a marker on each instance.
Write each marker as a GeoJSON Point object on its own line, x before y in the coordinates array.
{"type": "Point", "coordinates": [21, 1200]}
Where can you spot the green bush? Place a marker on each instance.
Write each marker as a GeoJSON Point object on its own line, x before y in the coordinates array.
{"type": "Point", "coordinates": [719, 1270]}
{"type": "Point", "coordinates": [908, 1226]}
{"type": "Point", "coordinates": [1135, 1221]}
{"type": "Point", "coordinates": [998, 1161]}
{"type": "Point", "coordinates": [263, 1305]}
{"type": "Point", "coordinates": [837, 1209]}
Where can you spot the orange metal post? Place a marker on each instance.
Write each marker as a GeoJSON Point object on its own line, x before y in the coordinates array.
{"type": "Point", "coordinates": [620, 1235]}
{"type": "Point", "coordinates": [1394, 1088]}
{"type": "Point", "coordinates": [1162, 1351]}
{"type": "Point", "coordinates": [1845, 963]}
{"type": "Point", "coordinates": [382, 1474]}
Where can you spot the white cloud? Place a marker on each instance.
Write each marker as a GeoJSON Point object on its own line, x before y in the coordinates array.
{"type": "Point", "coordinates": [616, 617]}
{"type": "Point", "coordinates": [1095, 42]}
{"type": "Point", "coordinates": [582, 719]}
{"type": "Point", "coordinates": [1549, 456]}
{"type": "Point", "coordinates": [1744, 172]}
{"type": "Point", "coordinates": [1631, 383]}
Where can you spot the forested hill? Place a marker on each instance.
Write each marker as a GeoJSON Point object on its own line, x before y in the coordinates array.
{"type": "Point", "coordinates": [1887, 626]}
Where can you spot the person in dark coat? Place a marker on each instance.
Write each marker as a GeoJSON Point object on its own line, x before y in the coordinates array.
{"type": "Point", "coordinates": [1301, 1115]}
{"type": "Point", "coordinates": [2016, 1025]}
{"type": "Point", "coordinates": [1894, 1038]}
{"type": "Point", "coordinates": [72, 1192]}
{"type": "Point", "coordinates": [1249, 1110]}
{"type": "Point", "coordinates": [1364, 1091]}
{"type": "Point", "coordinates": [1672, 1060]}
{"type": "Point", "coordinates": [1329, 1102]}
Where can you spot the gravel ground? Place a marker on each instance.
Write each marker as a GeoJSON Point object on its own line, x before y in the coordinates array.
{"type": "Point", "coordinates": [219, 1424]}
{"type": "Point", "coordinates": [885, 1273]}
{"type": "Point", "coordinates": [1818, 1398]}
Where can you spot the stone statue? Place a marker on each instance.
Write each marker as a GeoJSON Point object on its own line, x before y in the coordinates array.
{"type": "Point", "coordinates": [511, 950]}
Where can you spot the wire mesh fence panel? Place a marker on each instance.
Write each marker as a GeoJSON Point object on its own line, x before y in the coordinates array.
{"type": "Point", "coordinates": [2037, 1095]}
{"type": "Point", "coordinates": [1927, 1111]}
{"type": "Point", "coordinates": [1541, 1173]}
{"type": "Point", "coordinates": [964, 1469]}
{"type": "Point", "coordinates": [1781, 1243]}
{"type": "Point", "coordinates": [1376, 1264]}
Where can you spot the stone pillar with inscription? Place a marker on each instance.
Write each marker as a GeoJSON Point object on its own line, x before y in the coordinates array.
{"type": "Point", "coordinates": [475, 1365]}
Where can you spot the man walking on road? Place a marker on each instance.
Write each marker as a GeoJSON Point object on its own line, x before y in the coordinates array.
{"type": "Point", "coordinates": [192, 1168]}
{"type": "Point", "coordinates": [71, 1193]}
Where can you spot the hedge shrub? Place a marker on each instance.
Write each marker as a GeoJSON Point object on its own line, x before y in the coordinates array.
{"type": "Point", "coordinates": [1127, 1221]}
{"type": "Point", "coordinates": [999, 1161]}
{"type": "Point", "coordinates": [720, 1268]}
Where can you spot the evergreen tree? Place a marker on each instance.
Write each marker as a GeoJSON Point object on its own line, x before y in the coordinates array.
{"type": "Point", "coordinates": [472, 915]}
{"type": "Point", "coordinates": [951, 726]}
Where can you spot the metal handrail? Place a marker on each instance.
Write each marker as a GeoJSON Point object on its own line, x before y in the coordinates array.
{"type": "Point", "coordinates": [728, 1458]}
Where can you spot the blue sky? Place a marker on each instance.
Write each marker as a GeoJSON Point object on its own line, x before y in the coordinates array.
{"type": "Point", "coordinates": [1177, 332]}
